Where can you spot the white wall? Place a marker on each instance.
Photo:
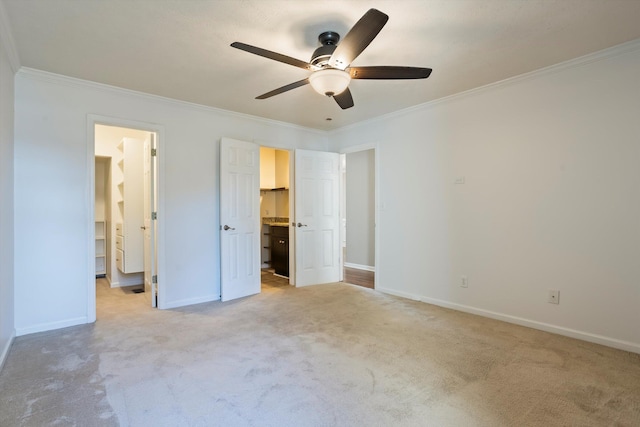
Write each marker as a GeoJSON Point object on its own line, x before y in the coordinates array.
{"type": "Point", "coordinates": [6, 197]}
{"type": "Point", "coordinates": [52, 207]}
{"type": "Point", "coordinates": [360, 208]}
{"type": "Point", "coordinates": [274, 203]}
{"type": "Point", "coordinates": [551, 199]}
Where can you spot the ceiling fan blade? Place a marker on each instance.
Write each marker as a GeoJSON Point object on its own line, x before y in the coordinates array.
{"type": "Point", "coordinates": [358, 38]}
{"type": "Point", "coordinates": [344, 99]}
{"type": "Point", "coordinates": [283, 89]}
{"type": "Point", "coordinates": [389, 72]}
{"type": "Point", "coordinates": [272, 55]}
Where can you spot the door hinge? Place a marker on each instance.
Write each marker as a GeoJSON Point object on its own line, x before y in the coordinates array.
{"type": "Point", "coordinates": [154, 215]}
{"type": "Point", "coordinates": [154, 152]}
{"type": "Point", "coordinates": [154, 279]}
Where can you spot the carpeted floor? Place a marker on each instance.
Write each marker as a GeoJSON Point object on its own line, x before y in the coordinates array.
{"type": "Point", "coordinates": [329, 355]}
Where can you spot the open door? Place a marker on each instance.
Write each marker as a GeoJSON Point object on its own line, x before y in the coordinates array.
{"type": "Point", "coordinates": [239, 219]}
{"type": "Point", "coordinates": [317, 217]}
{"type": "Point", "coordinates": [150, 212]}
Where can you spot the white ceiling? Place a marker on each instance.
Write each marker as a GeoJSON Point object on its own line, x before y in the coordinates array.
{"type": "Point", "coordinates": [180, 48]}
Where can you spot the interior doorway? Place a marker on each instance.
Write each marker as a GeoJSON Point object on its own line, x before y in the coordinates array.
{"type": "Point", "coordinates": [125, 209]}
{"type": "Point", "coordinates": [275, 213]}
{"type": "Point", "coordinates": [358, 216]}
{"type": "Point", "coordinates": [316, 207]}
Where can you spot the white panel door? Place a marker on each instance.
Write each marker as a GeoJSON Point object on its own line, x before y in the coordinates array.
{"type": "Point", "coordinates": [317, 217]}
{"type": "Point", "coordinates": [239, 218]}
{"type": "Point", "coordinates": [150, 252]}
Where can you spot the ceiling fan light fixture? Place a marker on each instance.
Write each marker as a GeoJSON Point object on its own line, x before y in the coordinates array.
{"type": "Point", "coordinates": [329, 82]}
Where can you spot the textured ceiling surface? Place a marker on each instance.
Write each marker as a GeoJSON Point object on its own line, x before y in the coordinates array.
{"type": "Point", "coordinates": [180, 48]}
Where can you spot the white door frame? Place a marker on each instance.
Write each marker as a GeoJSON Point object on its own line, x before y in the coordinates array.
{"type": "Point", "coordinates": [92, 121]}
{"type": "Point", "coordinates": [378, 205]}
{"type": "Point", "coordinates": [292, 215]}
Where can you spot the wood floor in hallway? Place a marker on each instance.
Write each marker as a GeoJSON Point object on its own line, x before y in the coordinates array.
{"type": "Point", "coordinates": [359, 277]}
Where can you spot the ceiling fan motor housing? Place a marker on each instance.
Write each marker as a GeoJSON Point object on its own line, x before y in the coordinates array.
{"type": "Point", "coordinates": [321, 55]}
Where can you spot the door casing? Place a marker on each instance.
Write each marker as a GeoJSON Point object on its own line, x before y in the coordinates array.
{"type": "Point", "coordinates": [378, 204]}
{"type": "Point", "coordinates": [92, 121]}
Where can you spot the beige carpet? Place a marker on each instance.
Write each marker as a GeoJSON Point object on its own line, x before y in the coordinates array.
{"type": "Point", "coordinates": [331, 355]}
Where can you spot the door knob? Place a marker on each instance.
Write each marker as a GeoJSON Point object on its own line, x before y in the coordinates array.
{"type": "Point", "coordinates": [226, 227]}
{"type": "Point", "coordinates": [301, 224]}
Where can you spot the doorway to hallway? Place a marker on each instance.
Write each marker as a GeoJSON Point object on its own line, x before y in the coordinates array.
{"type": "Point", "coordinates": [358, 216]}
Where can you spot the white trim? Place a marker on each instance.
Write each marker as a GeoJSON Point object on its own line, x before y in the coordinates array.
{"type": "Point", "coordinates": [5, 350]}
{"type": "Point", "coordinates": [375, 146]}
{"type": "Point", "coordinates": [191, 301]}
{"type": "Point", "coordinates": [604, 54]}
{"type": "Point", "coordinates": [60, 79]}
{"type": "Point", "coordinates": [7, 40]}
{"type": "Point", "coordinates": [360, 147]}
{"type": "Point", "coordinates": [600, 55]}
{"type": "Point", "coordinates": [50, 326]}
{"type": "Point", "coordinates": [534, 324]}
{"type": "Point", "coordinates": [292, 216]}
{"type": "Point", "coordinates": [360, 266]}
{"type": "Point", "coordinates": [90, 206]}
{"type": "Point", "coordinates": [584, 336]}
{"type": "Point", "coordinates": [400, 293]}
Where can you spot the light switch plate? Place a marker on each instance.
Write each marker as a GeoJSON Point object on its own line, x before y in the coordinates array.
{"type": "Point", "coordinates": [464, 282]}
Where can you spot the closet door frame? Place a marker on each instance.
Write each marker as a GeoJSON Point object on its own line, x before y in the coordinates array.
{"type": "Point", "coordinates": [92, 121]}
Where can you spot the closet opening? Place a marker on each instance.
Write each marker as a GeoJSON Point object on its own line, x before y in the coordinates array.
{"type": "Point", "coordinates": [125, 212]}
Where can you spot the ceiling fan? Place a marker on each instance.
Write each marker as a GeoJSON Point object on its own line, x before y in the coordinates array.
{"type": "Point", "coordinates": [330, 63]}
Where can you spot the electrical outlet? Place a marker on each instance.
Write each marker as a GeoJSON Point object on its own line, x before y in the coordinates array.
{"type": "Point", "coordinates": [554, 297]}
{"type": "Point", "coordinates": [464, 282]}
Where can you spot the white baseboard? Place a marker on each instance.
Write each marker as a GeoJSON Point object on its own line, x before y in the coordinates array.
{"type": "Point", "coordinates": [127, 282]}
{"type": "Point", "coordinates": [5, 350]}
{"type": "Point", "coordinates": [189, 301]}
{"type": "Point", "coordinates": [360, 266]}
{"type": "Point", "coordinates": [572, 333]}
{"type": "Point", "coordinates": [42, 327]}
{"type": "Point", "coordinates": [399, 293]}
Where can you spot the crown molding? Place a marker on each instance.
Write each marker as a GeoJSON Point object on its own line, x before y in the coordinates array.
{"type": "Point", "coordinates": [6, 38]}
{"type": "Point", "coordinates": [628, 47]}
{"type": "Point", "coordinates": [59, 79]}
{"type": "Point", "coordinates": [618, 50]}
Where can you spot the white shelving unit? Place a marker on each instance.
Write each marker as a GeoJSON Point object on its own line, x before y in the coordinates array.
{"type": "Point", "coordinates": [129, 236]}
{"type": "Point", "coordinates": [101, 248]}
